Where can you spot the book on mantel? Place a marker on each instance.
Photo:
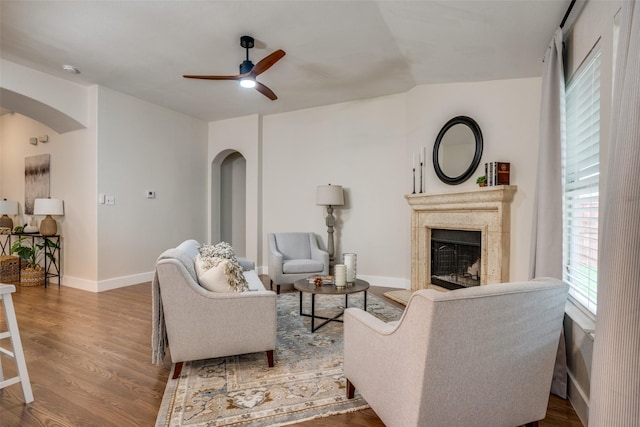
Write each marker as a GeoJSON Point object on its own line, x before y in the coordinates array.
{"type": "Point", "coordinates": [497, 173]}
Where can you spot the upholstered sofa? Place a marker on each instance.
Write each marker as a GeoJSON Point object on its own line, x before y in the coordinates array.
{"type": "Point", "coordinates": [480, 356]}
{"type": "Point", "coordinates": [196, 323]}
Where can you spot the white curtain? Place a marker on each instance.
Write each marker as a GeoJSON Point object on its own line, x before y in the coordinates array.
{"type": "Point", "coordinates": [546, 236]}
{"type": "Point", "coordinates": [615, 384]}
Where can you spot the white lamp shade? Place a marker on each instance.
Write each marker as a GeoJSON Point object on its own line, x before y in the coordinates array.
{"type": "Point", "coordinates": [8, 207]}
{"type": "Point", "coordinates": [48, 207]}
{"type": "Point", "coordinates": [329, 195]}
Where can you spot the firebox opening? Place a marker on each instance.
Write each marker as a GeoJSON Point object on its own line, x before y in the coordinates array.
{"type": "Point", "coordinates": [455, 258]}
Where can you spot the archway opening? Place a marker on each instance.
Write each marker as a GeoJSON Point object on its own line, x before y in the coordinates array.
{"type": "Point", "coordinates": [228, 219]}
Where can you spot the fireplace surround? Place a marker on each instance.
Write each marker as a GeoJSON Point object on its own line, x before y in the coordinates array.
{"type": "Point", "coordinates": [487, 210]}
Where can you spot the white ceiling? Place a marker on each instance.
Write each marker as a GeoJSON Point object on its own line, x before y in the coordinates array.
{"type": "Point", "coordinates": [336, 50]}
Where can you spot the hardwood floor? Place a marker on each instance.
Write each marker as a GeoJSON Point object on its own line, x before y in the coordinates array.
{"type": "Point", "coordinates": [89, 359]}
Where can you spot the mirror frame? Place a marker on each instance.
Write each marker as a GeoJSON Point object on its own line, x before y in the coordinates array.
{"type": "Point", "coordinates": [464, 120]}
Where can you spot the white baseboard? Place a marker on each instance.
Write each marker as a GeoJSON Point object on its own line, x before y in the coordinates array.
{"type": "Point", "coordinates": [578, 399]}
{"type": "Point", "coordinates": [108, 284]}
{"type": "Point", "coordinates": [389, 282]}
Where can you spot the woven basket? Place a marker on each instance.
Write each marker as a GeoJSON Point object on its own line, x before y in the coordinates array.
{"type": "Point", "coordinates": [9, 269]}
{"type": "Point", "coordinates": [29, 277]}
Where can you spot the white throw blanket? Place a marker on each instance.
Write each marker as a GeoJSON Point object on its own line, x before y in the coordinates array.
{"type": "Point", "coordinates": [159, 330]}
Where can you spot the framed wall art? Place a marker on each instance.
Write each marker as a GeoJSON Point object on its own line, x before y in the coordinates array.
{"type": "Point", "coordinates": [36, 180]}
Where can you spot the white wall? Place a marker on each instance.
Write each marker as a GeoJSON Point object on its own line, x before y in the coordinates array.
{"type": "Point", "coordinates": [242, 135]}
{"type": "Point", "coordinates": [72, 179]}
{"type": "Point", "coordinates": [146, 147]}
{"type": "Point", "coordinates": [508, 113]}
{"type": "Point", "coordinates": [52, 99]}
{"type": "Point", "coordinates": [366, 146]}
{"type": "Point", "coordinates": [361, 146]}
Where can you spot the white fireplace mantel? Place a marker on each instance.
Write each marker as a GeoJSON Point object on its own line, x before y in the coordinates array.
{"type": "Point", "coordinates": [487, 210]}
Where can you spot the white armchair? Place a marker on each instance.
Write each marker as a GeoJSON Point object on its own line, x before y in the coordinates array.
{"type": "Point", "coordinates": [294, 256]}
{"type": "Point", "coordinates": [480, 356]}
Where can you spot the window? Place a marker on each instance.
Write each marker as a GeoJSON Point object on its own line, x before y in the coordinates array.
{"type": "Point", "coordinates": [581, 172]}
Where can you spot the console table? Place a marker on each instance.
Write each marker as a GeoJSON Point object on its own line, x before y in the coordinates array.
{"type": "Point", "coordinates": [52, 251]}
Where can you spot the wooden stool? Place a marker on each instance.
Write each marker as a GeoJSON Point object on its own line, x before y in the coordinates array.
{"type": "Point", "coordinates": [17, 354]}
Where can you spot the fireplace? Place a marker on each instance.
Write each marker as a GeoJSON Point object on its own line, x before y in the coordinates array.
{"type": "Point", "coordinates": [485, 212]}
{"type": "Point", "coordinates": [455, 258]}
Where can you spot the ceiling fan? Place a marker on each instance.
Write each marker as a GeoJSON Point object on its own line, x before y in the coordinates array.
{"type": "Point", "coordinates": [248, 71]}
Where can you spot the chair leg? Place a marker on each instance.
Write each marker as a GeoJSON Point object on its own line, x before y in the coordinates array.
{"type": "Point", "coordinates": [278, 289]}
{"type": "Point", "coordinates": [177, 370]}
{"type": "Point", "coordinates": [351, 390]}
{"type": "Point", "coordinates": [270, 358]}
{"type": "Point", "coordinates": [270, 284]}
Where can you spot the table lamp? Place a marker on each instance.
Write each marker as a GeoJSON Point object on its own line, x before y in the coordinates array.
{"type": "Point", "coordinates": [330, 196]}
{"type": "Point", "coordinates": [48, 207]}
{"type": "Point", "coordinates": [7, 207]}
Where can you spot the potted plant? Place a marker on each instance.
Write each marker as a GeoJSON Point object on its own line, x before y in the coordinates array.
{"type": "Point", "coordinates": [31, 253]}
{"type": "Point", "coordinates": [482, 181]}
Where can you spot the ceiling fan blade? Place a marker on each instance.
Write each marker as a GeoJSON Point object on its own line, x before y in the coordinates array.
{"type": "Point", "coordinates": [265, 63]}
{"type": "Point", "coordinates": [191, 76]}
{"type": "Point", "coordinates": [266, 91]}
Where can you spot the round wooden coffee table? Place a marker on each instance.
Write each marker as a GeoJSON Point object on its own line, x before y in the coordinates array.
{"type": "Point", "coordinates": [303, 286]}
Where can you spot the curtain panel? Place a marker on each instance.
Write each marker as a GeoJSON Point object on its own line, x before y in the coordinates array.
{"type": "Point", "coordinates": [615, 384]}
{"type": "Point", "coordinates": [546, 235]}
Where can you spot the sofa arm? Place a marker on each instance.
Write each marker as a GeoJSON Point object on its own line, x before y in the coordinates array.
{"type": "Point", "coordinates": [362, 322]}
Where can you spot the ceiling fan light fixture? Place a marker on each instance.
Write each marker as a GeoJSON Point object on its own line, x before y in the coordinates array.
{"type": "Point", "coordinates": [248, 82]}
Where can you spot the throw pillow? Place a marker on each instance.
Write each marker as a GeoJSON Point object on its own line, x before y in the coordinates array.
{"type": "Point", "coordinates": [213, 254]}
{"type": "Point", "coordinates": [212, 277]}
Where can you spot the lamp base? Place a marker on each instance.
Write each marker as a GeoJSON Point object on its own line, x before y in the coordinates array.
{"type": "Point", "coordinates": [6, 222]}
{"type": "Point", "coordinates": [48, 226]}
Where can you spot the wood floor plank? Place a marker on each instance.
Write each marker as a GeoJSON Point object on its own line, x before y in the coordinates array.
{"type": "Point", "coordinates": [89, 359]}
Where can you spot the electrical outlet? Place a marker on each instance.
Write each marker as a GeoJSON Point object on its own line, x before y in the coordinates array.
{"type": "Point", "coordinates": [111, 200]}
{"type": "Point", "coordinates": [151, 194]}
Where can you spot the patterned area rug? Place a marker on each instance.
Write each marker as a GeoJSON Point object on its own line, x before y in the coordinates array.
{"type": "Point", "coordinates": [306, 382]}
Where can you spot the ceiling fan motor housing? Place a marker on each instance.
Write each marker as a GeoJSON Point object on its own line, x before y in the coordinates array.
{"type": "Point", "coordinates": [246, 66]}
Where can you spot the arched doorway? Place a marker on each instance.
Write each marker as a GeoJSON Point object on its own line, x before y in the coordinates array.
{"type": "Point", "coordinates": [228, 201]}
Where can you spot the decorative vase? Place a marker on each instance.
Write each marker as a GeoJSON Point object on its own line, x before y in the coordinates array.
{"type": "Point", "coordinates": [32, 277]}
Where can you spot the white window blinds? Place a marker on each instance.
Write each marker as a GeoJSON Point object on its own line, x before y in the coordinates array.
{"type": "Point", "coordinates": [581, 183]}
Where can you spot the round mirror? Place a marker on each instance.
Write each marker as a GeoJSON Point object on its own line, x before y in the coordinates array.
{"type": "Point", "coordinates": [457, 150]}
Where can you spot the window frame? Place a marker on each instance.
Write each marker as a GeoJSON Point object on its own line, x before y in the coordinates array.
{"type": "Point", "coordinates": [587, 304]}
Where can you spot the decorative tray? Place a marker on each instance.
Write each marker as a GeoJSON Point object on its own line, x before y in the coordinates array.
{"type": "Point", "coordinates": [321, 280]}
